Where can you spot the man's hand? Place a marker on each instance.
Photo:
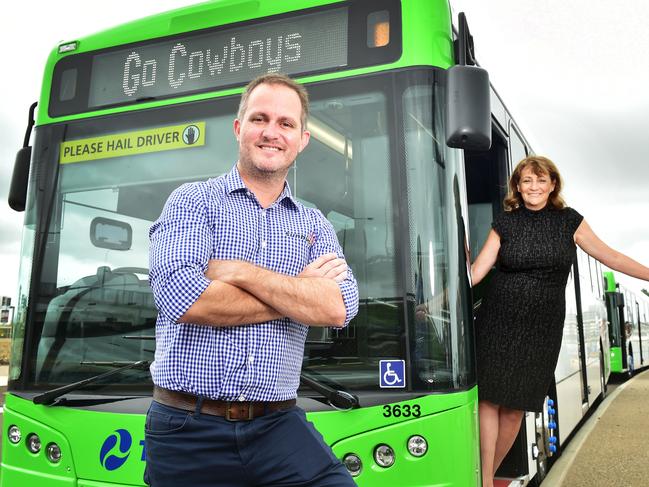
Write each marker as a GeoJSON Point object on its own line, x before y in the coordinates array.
{"type": "Point", "coordinates": [329, 266]}
{"type": "Point", "coordinates": [312, 298]}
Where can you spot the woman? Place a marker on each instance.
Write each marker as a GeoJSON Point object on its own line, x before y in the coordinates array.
{"type": "Point", "coordinates": [520, 323]}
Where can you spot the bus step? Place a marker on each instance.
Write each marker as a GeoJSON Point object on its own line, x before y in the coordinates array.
{"type": "Point", "coordinates": [502, 482]}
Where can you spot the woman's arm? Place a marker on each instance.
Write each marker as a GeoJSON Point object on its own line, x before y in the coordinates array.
{"type": "Point", "coordinates": [593, 246]}
{"type": "Point", "coordinates": [487, 257]}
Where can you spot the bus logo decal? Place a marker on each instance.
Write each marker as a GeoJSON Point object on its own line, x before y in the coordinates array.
{"type": "Point", "coordinates": [392, 374]}
{"type": "Point", "coordinates": [111, 459]}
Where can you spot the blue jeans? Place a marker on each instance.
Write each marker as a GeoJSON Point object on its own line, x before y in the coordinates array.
{"type": "Point", "coordinates": [279, 449]}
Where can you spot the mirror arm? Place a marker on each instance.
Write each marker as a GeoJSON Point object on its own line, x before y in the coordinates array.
{"type": "Point", "coordinates": [30, 124]}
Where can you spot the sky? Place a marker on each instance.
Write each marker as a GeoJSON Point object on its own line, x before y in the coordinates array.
{"type": "Point", "coordinates": [575, 77]}
{"type": "Point", "coordinates": [573, 74]}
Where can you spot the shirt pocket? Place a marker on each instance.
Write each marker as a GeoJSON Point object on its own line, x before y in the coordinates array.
{"type": "Point", "coordinates": [294, 245]}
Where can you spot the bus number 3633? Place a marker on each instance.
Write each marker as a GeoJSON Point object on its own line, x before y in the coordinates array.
{"type": "Point", "coordinates": [406, 410]}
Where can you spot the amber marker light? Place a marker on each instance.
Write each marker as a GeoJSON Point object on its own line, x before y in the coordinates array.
{"type": "Point", "coordinates": [381, 34]}
{"type": "Point", "coordinates": [378, 29]}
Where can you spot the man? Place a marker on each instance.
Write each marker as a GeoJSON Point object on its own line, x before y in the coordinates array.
{"type": "Point", "coordinates": [239, 270]}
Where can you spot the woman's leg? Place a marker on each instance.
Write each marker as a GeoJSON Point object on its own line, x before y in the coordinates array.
{"type": "Point", "coordinates": [509, 422]}
{"type": "Point", "coordinates": [489, 419]}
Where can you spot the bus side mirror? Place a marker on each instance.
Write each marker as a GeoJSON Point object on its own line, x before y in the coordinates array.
{"type": "Point", "coordinates": [619, 300]}
{"type": "Point", "coordinates": [19, 179]}
{"type": "Point", "coordinates": [468, 108]}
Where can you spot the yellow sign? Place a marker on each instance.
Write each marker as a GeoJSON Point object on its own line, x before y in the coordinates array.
{"type": "Point", "coordinates": [129, 143]}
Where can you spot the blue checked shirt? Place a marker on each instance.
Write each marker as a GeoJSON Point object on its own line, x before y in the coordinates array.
{"type": "Point", "coordinates": [221, 219]}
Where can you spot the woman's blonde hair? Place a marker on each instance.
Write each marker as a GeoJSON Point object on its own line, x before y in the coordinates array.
{"type": "Point", "coordinates": [541, 166]}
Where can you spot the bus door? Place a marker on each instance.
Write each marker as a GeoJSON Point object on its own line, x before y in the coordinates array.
{"type": "Point", "coordinates": [580, 331]}
{"type": "Point", "coordinates": [486, 182]}
{"type": "Point", "coordinates": [616, 328]}
{"type": "Point", "coordinates": [621, 305]}
{"type": "Point", "coordinates": [637, 306]}
{"type": "Point", "coordinates": [487, 175]}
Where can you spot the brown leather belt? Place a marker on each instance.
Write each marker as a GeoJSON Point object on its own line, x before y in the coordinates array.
{"type": "Point", "coordinates": [230, 410]}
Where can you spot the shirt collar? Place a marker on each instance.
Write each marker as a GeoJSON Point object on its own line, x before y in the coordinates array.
{"type": "Point", "coordinates": [233, 182]}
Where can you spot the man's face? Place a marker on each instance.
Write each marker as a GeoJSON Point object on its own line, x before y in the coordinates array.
{"type": "Point", "coordinates": [270, 134]}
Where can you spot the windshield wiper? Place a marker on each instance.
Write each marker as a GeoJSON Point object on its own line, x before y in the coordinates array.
{"type": "Point", "coordinates": [336, 398]}
{"type": "Point", "coordinates": [49, 397]}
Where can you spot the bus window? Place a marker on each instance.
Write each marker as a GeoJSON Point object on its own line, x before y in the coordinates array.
{"type": "Point", "coordinates": [601, 288]}
{"type": "Point", "coordinates": [517, 149]}
{"type": "Point", "coordinates": [584, 273]}
{"type": "Point", "coordinates": [486, 180]}
{"type": "Point", "coordinates": [591, 269]}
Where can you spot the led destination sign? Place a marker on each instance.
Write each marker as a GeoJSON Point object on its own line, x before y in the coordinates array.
{"type": "Point", "coordinates": [300, 44]}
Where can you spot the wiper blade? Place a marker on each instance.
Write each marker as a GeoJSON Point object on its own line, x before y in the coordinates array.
{"type": "Point", "coordinates": [49, 397]}
{"type": "Point", "coordinates": [336, 398]}
{"type": "Point", "coordinates": [115, 363]}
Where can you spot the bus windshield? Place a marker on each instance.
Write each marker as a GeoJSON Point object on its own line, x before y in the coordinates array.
{"type": "Point", "coordinates": [376, 166]}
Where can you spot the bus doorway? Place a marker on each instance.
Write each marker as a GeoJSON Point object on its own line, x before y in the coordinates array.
{"type": "Point", "coordinates": [486, 181]}
{"type": "Point", "coordinates": [487, 175]}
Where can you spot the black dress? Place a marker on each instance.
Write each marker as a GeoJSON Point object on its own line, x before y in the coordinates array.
{"type": "Point", "coordinates": [520, 323]}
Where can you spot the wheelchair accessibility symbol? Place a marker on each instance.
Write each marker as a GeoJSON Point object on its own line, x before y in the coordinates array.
{"type": "Point", "coordinates": [392, 373]}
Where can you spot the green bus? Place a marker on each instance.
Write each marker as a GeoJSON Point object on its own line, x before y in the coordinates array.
{"type": "Point", "coordinates": [628, 323]}
{"type": "Point", "coordinates": [410, 149]}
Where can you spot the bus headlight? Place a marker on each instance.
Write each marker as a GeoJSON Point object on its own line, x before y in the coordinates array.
{"type": "Point", "coordinates": [417, 446]}
{"type": "Point", "coordinates": [53, 453]}
{"type": "Point", "coordinates": [14, 434]}
{"type": "Point", "coordinates": [33, 443]}
{"type": "Point", "coordinates": [384, 456]}
{"type": "Point", "coordinates": [353, 464]}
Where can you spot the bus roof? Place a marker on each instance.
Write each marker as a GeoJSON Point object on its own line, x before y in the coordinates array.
{"type": "Point", "coordinates": [427, 40]}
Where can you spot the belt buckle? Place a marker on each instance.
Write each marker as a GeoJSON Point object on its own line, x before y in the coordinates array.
{"type": "Point", "coordinates": [228, 404]}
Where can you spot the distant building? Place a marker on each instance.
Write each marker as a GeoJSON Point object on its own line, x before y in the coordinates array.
{"type": "Point", "coordinates": [5, 310]}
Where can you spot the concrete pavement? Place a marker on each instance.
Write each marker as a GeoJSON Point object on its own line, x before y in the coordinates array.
{"type": "Point", "coordinates": [612, 448]}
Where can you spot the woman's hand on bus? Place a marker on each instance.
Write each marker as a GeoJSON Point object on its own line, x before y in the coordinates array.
{"type": "Point", "coordinates": [486, 258]}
